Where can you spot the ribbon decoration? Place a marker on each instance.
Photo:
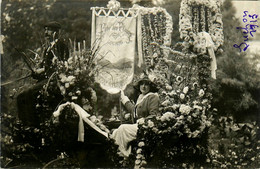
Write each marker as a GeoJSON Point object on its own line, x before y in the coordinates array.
{"type": "Point", "coordinates": [139, 40]}
{"type": "Point", "coordinates": [83, 116]}
{"type": "Point", "coordinates": [1, 44]}
{"type": "Point", "coordinates": [209, 45]}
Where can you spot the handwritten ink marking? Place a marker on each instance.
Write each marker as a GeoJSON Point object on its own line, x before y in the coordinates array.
{"type": "Point", "coordinates": [249, 28]}
{"type": "Point", "coordinates": [245, 13]}
{"type": "Point", "coordinates": [239, 46]}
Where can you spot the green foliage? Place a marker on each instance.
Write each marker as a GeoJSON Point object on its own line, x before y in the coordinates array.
{"type": "Point", "coordinates": [238, 81]}
{"type": "Point", "coordinates": [238, 146]}
{"type": "Point", "coordinates": [237, 84]}
{"type": "Point", "coordinates": [22, 143]}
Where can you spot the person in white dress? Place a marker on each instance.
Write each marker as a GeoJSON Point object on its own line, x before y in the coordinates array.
{"type": "Point", "coordinates": [147, 105]}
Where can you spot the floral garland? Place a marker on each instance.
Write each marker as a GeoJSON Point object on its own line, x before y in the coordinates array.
{"type": "Point", "coordinates": [156, 27]}
{"type": "Point", "coordinates": [192, 22]}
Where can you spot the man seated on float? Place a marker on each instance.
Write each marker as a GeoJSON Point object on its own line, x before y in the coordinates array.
{"type": "Point", "coordinates": [147, 105]}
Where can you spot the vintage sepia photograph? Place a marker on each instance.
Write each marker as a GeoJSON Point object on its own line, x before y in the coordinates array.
{"type": "Point", "coordinates": [130, 84]}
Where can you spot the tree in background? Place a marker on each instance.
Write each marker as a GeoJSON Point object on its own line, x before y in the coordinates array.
{"type": "Point", "coordinates": [22, 26]}
{"type": "Point", "coordinates": [237, 88]}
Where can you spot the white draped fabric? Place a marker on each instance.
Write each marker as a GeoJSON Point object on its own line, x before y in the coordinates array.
{"type": "Point", "coordinates": [83, 116]}
{"type": "Point", "coordinates": [209, 45]}
{"type": "Point", "coordinates": [123, 135]}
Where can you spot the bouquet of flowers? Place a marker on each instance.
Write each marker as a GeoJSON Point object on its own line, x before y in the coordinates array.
{"type": "Point", "coordinates": [76, 76]}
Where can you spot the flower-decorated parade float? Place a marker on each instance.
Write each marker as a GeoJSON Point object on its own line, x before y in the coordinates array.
{"type": "Point", "coordinates": [125, 44]}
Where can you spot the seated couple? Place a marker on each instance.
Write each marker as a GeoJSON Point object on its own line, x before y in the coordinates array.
{"type": "Point", "coordinates": [147, 105]}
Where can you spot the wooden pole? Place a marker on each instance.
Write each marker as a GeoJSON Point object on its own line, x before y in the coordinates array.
{"type": "Point", "coordinates": [120, 110]}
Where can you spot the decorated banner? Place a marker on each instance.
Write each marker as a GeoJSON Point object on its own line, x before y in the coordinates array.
{"type": "Point", "coordinates": [116, 39]}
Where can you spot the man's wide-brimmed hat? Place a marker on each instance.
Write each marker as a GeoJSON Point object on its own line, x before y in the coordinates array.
{"type": "Point", "coordinates": [146, 79]}
{"type": "Point", "coordinates": [53, 25]}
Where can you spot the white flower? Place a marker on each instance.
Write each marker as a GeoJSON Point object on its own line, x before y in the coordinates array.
{"type": "Point", "coordinates": [207, 123]}
{"type": "Point", "coordinates": [181, 117]}
{"type": "Point", "coordinates": [135, 1]}
{"type": "Point", "coordinates": [63, 77]}
{"type": "Point", "coordinates": [158, 2]}
{"type": "Point", "coordinates": [87, 107]}
{"type": "Point", "coordinates": [166, 103]}
{"type": "Point", "coordinates": [93, 96]}
{"type": "Point", "coordinates": [139, 156]}
{"type": "Point", "coordinates": [7, 18]}
{"type": "Point", "coordinates": [179, 79]}
{"type": "Point", "coordinates": [150, 124]}
{"type": "Point", "coordinates": [186, 89]}
{"type": "Point", "coordinates": [143, 162]}
{"type": "Point", "coordinates": [93, 119]}
{"type": "Point", "coordinates": [71, 82]}
{"type": "Point", "coordinates": [56, 113]}
{"type": "Point", "coordinates": [185, 109]}
{"type": "Point", "coordinates": [196, 133]}
{"type": "Point", "coordinates": [163, 118]}
{"type": "Point", "coordinates": [168, 87]}
{"type": "Point", "coordinates": [168, 116]}
{"type": "Point", "coordinates": [152, 77]}
{"type": "Point", "coordinates": [67, 85]}
{"type": "Point", "coordinates": [182, 96]}
{"type": "Point", "coordinates": [172, 93]}
{"type": "Point", "coordinates": [141, 144]}
{"type": "Point", "coordinates": [71, 78]}
{"type": "Point", "coordinates": [201, 93]}
{"type": "Point", "coordinates": [48, 7]}
{"type": "Point", "coordinates": [63, 90]}
{"type": "Point", "coordinates": [140, 121]}
{"type": "Point", "coordinates": [175, 106]}
{"type": "Point", "coordinates": [189, 118]}
{"type": "Point", "coordinates": [70, 60]}
{"type": "Point", "coordinates": [78, 92]}
{"type": "Point", "coordinates": [74, 97]}
{"type": "Point", "coordinates": [197, 107]}
{"type": "Point", "coordinates": [204, 101]}
{"type": "Point", "coordinates": [155, 130]}
{"type": "Point", "coordinates": [139, 150]}
{"type": "Point", "coordinates": [137, 162]}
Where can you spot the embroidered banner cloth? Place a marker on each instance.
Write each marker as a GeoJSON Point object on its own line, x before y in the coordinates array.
{"type": "Point", "coordinates": [116, 37]}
